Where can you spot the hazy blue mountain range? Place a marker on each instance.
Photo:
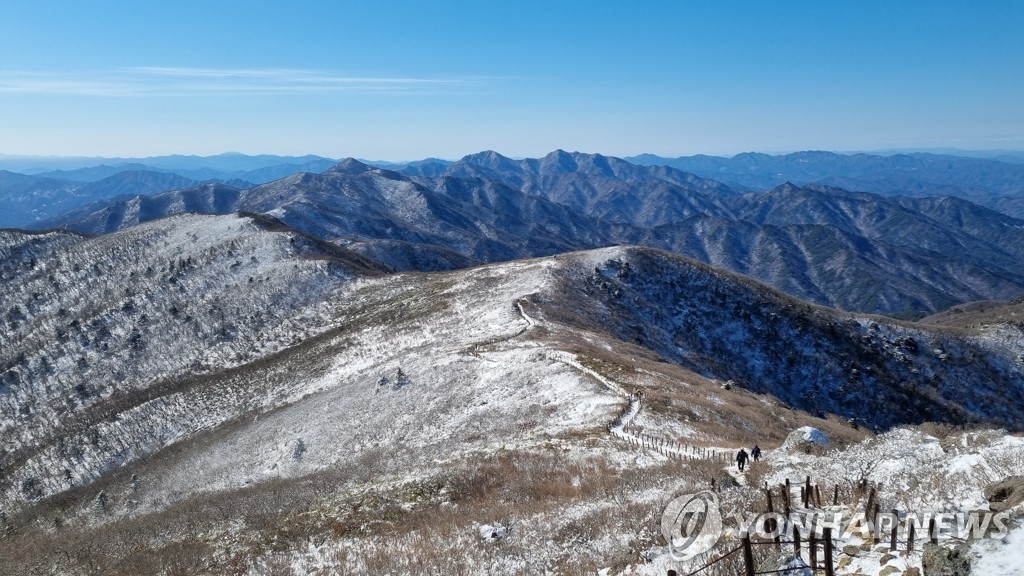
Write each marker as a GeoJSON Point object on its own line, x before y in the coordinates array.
{"type": "Point", "coordinates": [222, 167]}
{"type": "Point", "coordinates": [992, 181]}
{"type": "Point", "coordinates": [982, 180]}
{"type": "Point", "coordinates": [28, 199]}
{"type": "Point", "coordinates": [1011, 156]}
{"type": "Point", "coordinates": [255, 176]}
{"type": "Point", "coordinates": [227, 162]}
{"type": "Point", "coordinates": [856, 251]}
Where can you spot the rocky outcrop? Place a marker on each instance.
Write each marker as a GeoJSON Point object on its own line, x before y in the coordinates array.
{"type": "Point", "coordinates": [1005, 494]}
{"type": "Point", "coordinates": [940, 561]}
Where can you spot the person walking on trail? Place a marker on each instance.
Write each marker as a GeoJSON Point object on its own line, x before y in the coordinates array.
{"type": "Point", "coordinates": [741, 459]}
{"type": "Point", "coordinates": [756, 453]}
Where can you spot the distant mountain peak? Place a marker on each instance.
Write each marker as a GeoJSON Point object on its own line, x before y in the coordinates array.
{"type": "Point", "coordinates": [560, 160]}
{"type": "Point", "coordinates": [488, 159]}
{"type": "Point", "coordinates": [786, 187]}
{"type": "Point", "coordinates": [488, 154]}
{"type": "Point", "coordinates": [351, 166]}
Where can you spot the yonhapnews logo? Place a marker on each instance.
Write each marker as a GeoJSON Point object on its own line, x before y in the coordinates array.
{"type": "Point", "coordinates": [692, 524]}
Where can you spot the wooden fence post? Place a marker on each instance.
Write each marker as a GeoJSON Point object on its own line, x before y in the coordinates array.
{"type": "Point", "coordinates": [785, 498]}
{"type": "Point", "coordinates": [872, 521]}
{"type": "Point", "coordinates": [796, 540]}
{"type": "Point", "coordinates": [807, 490]}
{"type": "Point", "coordinates": [933, 535]}
{"type": "Point", "coordinates": [748, 556]}
{"type": "Point", "coordinates": [812, 546]}
{"type": "Point", "coordinates": [895, 530]}
{"type": "Point", "coordinates": [835, 497]}
{"type": "Point", "coordinates": [829, 567]}
{"type": "Point", "coordinates": [910, 538]}
{"type": "Point", "coordinates": [771, 524]}
{"type": "Point", "coordinates": [817, 494]}
{"type": "Point", "coordinates": [876, 534]}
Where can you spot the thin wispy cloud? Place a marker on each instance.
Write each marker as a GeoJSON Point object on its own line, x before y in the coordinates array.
{"type": "Point", "coordinates": [177, 81]}
{"type": "Point", "coordinates": [39, 83]}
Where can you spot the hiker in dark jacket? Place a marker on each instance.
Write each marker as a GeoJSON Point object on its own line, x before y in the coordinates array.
{"type": "Point", "coordinates": [756, 453]}
{"type": "Point", "coordinates": [741, 459]}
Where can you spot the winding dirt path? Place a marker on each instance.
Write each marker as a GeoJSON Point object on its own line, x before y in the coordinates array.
{"type": "Point", "coordinates": [621, 426]}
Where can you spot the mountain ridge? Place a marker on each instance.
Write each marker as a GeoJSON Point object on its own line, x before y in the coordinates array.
{"type": "Point", "coordinates": [984, 181]}
{"type": "Point", "coordinates": [817, 242]}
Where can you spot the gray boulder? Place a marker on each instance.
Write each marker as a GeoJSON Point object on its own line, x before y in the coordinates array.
{"type": "Point", "coordinates": [1005, 494]}
{"type": "Point", "coordinates": [941, 561]}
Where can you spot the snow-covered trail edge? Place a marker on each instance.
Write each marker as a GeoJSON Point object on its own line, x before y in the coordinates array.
{"type": "Point", "coordinates": [620, 427]}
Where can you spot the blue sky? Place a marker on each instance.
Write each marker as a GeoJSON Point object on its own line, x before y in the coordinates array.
{"type": "Point", "coordinates": [407, 80]}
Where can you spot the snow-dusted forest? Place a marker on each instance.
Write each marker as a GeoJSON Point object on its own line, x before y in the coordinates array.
{"type": "Point", "coordinates": [214, 394]}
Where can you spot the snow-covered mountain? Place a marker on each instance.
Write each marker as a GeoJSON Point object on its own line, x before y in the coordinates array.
{"type": "Point", "coordinates": [603, 186]}
{"type": "Point", "coordinates": [854, 251]}
{"type": "Point", "coordinates": [379, 212]}
{"type": "Point", "coordinates": [94, 327]}
{"type": "Point", "coordinates": [208, 394]}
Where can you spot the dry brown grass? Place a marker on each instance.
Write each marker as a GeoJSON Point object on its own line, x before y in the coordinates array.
{"type": "Point", "coordinates": [968, 317]}
{"type": "Point", "coordinates": [428, 524]}
{"type": "Point", "coordinates": [572, 507]}
{"type": "Point", "coordinates": [734, 417]}
{"type": "Point", "coordinates": [521, 490]}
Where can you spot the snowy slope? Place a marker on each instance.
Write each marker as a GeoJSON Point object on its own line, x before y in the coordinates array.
{"type": "Point", "coordinates": [300, 417]}
{"type": "Point", "coordinates": [727, 327]}
{"type": "Point", "coordinates": [109, 325]}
